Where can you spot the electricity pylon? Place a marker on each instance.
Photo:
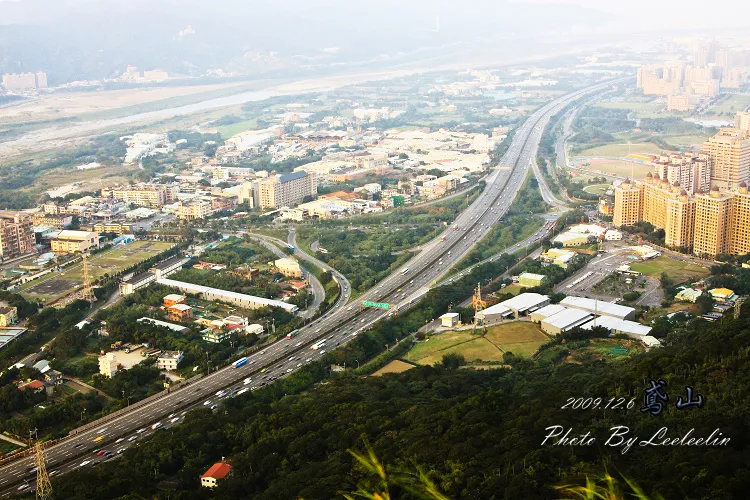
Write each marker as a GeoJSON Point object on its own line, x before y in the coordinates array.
{"type": "Point", "coordinates": [43, 485]}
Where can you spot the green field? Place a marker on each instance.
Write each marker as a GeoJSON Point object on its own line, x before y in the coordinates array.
{"type": "Point", "coordinates": [621, 150]}
{"type": "Point", "coordinates": [640, 109]}
{"type": "Point", "coordinates": [228, 131]}
{"type": "Point", "coordinates": [520, 337]}
{"type": "Point", "coordinates": [619, 168]}
{"type": "Point", "coordinates": [677, 270]}
{"type": "Point", "coordinates": [598, 189]}
{"type": "Point", "coordinates": [730, 105]}
{"type": "Point", "coordinates": [685, 140]}
{"type": "Point", "coordinates": [55, 285]}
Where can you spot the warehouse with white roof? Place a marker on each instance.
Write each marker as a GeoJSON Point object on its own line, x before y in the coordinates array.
{"type": "Point", "coordinates": [545, 312]}
{"type": "Point", "coordinates": [599, 307]}
{"type": "Point", "coordinates": [520, 305]}
{"type": "Point", "coordinates": [616, 325]}
{"type": "Point", "coordinates": [238, 299]}
{"type": "Point", "coordinates": [565, 320]}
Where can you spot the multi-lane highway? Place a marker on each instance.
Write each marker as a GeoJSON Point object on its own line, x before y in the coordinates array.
{"type": "Point", "coordinates": [404, 287]}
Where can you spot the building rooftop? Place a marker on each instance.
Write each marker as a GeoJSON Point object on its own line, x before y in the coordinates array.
{"type": "Point", "coordinates": [218, 471]}
{"type": "Point", "coordinates": [173, 261]}
{"type": "Point", "coordinates": [598, 306]}
{"type": "Point", "coordinates": [567, 319]}
{"type": "Point", "coordinates": [450, 315]}
{"type": "Point", "coordinates": [180, 307]}
{"type": "Point", "coordinates": [139, 278]}
{"type": "Point", "coordinates": [68, 234]}
{"type": "Point", "coordinates": [619, 325]}
{"type": "Point", "coordinates": [549, 310]}
{"type": "Point", "coordinates": [193, 288]}
{"type": "Point", "coordinates": [174, 297]}
{"type": "Point", "coordinates": [524, 301]}
{"type": "Point", "coordinates": [157, 322]}
{"type": "Point", "coordinates": [170, 355]}
{"type": "Point", "coordinates": [532, 276]}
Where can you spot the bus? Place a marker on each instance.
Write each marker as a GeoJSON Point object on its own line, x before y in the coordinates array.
{"type": "Point", "coordinates": [318, 345]}
{"type": "Point", "coordinates": [292, 334]}
{"type": "Point", "coordinates": [405, 271]}
{"type": "Point", "coordinates": [240, 362]}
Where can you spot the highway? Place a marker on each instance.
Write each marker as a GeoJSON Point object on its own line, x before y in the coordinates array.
{"type": "Point", "coordinates": [403, 288]}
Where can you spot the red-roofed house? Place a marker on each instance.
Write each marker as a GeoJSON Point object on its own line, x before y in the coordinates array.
{"type": "Point", "coordinates": [35, 386]}
{"type": "Point", "coordinates": [217, 471]}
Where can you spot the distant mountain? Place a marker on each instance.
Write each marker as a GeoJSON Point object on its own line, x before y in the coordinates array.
{"type": "Point", "coordinates": [91, 39]}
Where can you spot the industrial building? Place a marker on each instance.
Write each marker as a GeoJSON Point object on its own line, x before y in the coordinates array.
{"type": "Point", "coordinates": [75, 241]}
{"type": "Point", "coordinates": [565, 320]}
{"type": "Point", "coordinates": [599, 307]}
{"type": "Point", "coordinates": [520, 305]}
{"type": "Point", "coordinates": [545, 312]}
{"type": "Point", "coordinates": [238, 299]}
{"type": "Point", "coordinates": [616, 325]}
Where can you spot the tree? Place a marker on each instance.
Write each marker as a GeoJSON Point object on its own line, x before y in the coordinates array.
{"type": "Point", "coordinates": [705, 303]}
{"type": "Point", "coordinates": [452, 361]}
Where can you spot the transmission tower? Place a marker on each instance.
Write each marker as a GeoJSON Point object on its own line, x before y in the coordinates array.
{"type": "Point", "coordinates": [478, 304]}
{"type": "Point", "coordinates": [43, 486]}
{"type": "Point", "coordinates": [87, 293]}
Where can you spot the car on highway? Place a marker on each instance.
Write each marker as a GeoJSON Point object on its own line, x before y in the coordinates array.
{"type": "Point", "coordinates": [52, 473]}
{"type": "Point", "coordinates": [132, 438]}
{"type": "Point", "coordinates": [141, 431]}
{"type": "Point", "coordinates": [101, 452]}
{"type": "Point", "coordinates": [100, 438]}
{"type": "Point", "coordinates": [84, 463]}
{"type": "Point", "coordinates": [23, 486]}
{"type": "Point", "coordinates": [177, 419]}
{"type": "Point", "coordinates": [207, 402]}
{"type": "Point", "coordinates": [156, 425]}
{"type": "Point", "coordinates": [120, 440]}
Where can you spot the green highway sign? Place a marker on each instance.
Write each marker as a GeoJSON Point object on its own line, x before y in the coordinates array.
{"type": "Point", "coordinates": [379, 305]}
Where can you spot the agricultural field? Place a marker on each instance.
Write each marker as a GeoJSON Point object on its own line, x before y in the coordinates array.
{"type": "Point", "coordinates": [50, 288]}
{"type": "Point", "coordinates": [640, 109]}
{"type": "Point", "coordinates": [228, 131]}
{"type": "Point", "coordinates": [621, 150]}
{"type": "Point", "coordinates": [395, 366]}
{"type": "Point", "coordinates": [730, 105]}
{"type": "Point", "coordinates": [677, 270]}
{"type": "Point", "coordinates": [685, 140]}
{"type": "Point", "coordinates": [619, 168]}
{"type": "Point", "coordinates": [519, 337]}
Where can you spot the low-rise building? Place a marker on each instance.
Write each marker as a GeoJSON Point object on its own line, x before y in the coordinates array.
{"type": "Point", "coordinates": [599, 307]}
{"type": "Point", "coordinates": [565, 320]}
{"type": "Point", "coordinates": [449, 320]}
{"type": "Point", "coordinates": [108, 365]}
{"type": "Point", "coordinates": [75, 241]}
{"type": "Point", "coordinates": [558, 257]}
{"type": "Point", "coordinates": [180, 312]}
{"type": "Point", "coordinates": [722, 295]}
{"type": "Point", "coordinates": [288, 267]}
{"type": "Point", "coordinates": [8, 315]}
{"type": "Point", "coordinates": [215, 336]}
{"type": "Point", "coordinates": [158, 322]}
{"type": "Point", "coordinates": [174, 298]}
{"type": "Point", "coordinates": [168, 360]}
{"type": "Point", "coordinates": [530, 279]}
{"type": "Point", "coordinates": [217, 472]}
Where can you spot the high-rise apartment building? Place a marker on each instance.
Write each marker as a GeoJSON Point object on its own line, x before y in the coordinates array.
{"type": "Point", "coordinates": [712, 223]}
{"type": "Point", "coordinates": [739, 227]}
{"type": "Point", "coordinates": [669, 207]}
{"type": "Point", "coordinates": [680, 101]}
{"type": "Point", "coordinates": [16, 236]}
{"type": "Point", "coordinates": [691, 171]}
{"type": "Point", "coordinates": [283, 190]}
{"type": "Point", "coordinates": [25, 81]}
{"type": "Point", "coordinates": [742, 121]}
{"type": "Point", "coordinates": [660, 80]}
{"type": "Point", "coordinates": [729, 150]}
{"type": "Point", "coordinates": [628, 204]}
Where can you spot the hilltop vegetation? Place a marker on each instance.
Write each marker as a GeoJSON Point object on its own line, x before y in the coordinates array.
{"type": "Point", "coordinates": [477, 434]}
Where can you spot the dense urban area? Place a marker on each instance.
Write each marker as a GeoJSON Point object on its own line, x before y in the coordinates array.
{"type": "Point", "coordinates": [388, 288]}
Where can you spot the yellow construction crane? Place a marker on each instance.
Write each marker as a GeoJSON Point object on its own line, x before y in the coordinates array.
{"type": "Point", "coordinates": [43, 485]}
{"type": "Point", "coordinates": [478, 304]}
